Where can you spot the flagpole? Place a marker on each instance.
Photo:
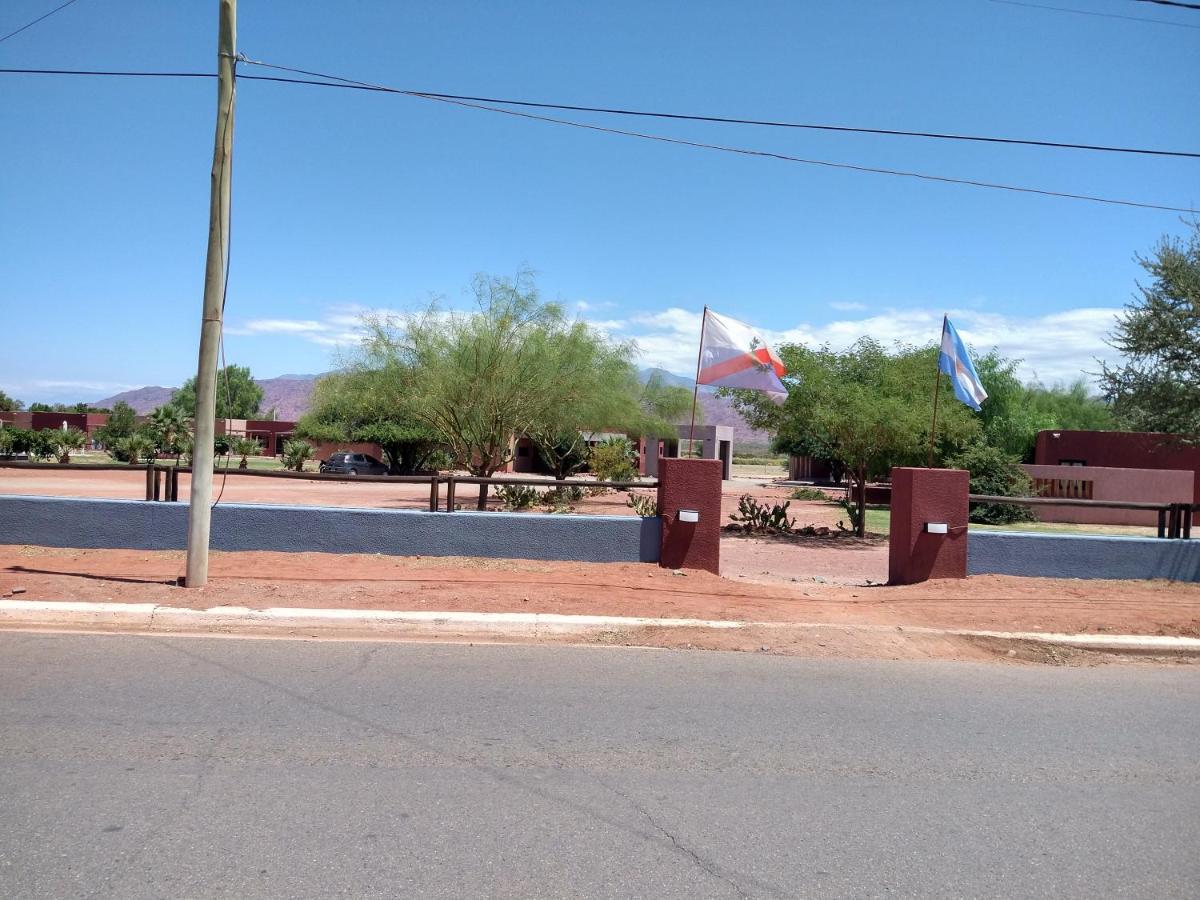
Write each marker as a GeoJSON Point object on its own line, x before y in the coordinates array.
{"type": "Point", "coordinates": [696, 386]}
{"type": "Point", "coordinates": [937, 389]}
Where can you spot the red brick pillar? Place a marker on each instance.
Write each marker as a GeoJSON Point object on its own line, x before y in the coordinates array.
{"type": "Point", "coordinates": [920, 497]}
{"type": "Point", "coordinates": [693, 485]}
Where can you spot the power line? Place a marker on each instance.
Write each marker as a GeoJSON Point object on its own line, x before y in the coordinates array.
{"type": "Point", "coordinates": [569, 107]}
{"type": "Point", "coordinates": [1171, 3]}
{"type": "Point", "coordinates": [1088, 12]}
{"type": "Point", "coordinates": [815, 162]}
{"type": "Point", "coordinates": [433, 95]}
{"type": "Point", "coordinates": [35, 21]}
{"type": "Point", "coordinates": [352, 85]}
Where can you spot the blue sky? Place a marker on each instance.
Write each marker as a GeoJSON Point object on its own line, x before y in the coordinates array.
{"type": "Point", "coordinates": [347, 201]}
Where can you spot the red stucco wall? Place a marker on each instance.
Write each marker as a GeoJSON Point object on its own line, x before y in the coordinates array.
{"type": "Point", "coordinates": [1136, 485]}
{"type": "Point", "coordinates": [920, 496]}
{"type": "Point", "coordinates": [1121, 449]}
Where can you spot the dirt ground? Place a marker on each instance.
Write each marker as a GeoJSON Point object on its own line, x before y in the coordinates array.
{"type": "Point", "coordinates": [131, 485]}
{"type": "Point", "coordinates": [314, 580]}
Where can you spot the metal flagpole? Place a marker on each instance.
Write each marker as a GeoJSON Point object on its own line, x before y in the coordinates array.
{"type": "Point", "coordinates": [937, 389]}
{"type": "Point", "coordinates": [696, 386]}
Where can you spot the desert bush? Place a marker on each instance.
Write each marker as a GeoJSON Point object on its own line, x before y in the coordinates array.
{"type": "Point", "coordinates": [809, 493]}
{"type": "Point", "coordinates": [614, 460]}
{"type": "Point", "coordinates": [999, 474]}
{"type": "Point", "coordinates": [562, 498]}
{"type": "Point", "coordinates": [517, 496]}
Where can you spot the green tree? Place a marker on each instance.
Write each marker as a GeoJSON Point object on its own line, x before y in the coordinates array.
{"type": "Point", "coordinates": [121, 423]}
{"type": "Point", "coordinates": [1157, 385]}
{"type": "Point", "coordinates": [368, 404]}
{"type": "Point", "coordinates": [42, 444]}
{"type": "Point", "coordinates": [9, 404]}
{"type": "Point", "coordinates": [478, 379]}
{"type": "Point", "coordinates": [238, 395]}
{"type": "Point", "coordinates": [1015, 412]}
{"type": "Point", "coordinates": [865, 407]}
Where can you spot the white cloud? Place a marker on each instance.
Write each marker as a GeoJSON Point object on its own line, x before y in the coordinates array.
{"type": "Point", "coordinates": [1058, 346]}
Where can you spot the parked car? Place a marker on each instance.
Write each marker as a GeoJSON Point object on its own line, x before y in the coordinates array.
{"type": "Point", "coordinates": [353, 464]}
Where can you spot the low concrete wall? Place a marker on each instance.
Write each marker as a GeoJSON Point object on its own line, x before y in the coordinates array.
{"type": "Point", "coordinates": [1104, 483]}
{"type": "Point", "coordinates": [136, 524]}
{"type": "Point", "coordinates": [1081, 556]}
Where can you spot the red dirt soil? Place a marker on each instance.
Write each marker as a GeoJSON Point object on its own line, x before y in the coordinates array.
{"type": "Point", "coordinates": [314, 580]}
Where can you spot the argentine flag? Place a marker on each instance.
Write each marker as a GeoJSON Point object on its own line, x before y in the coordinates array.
{"type": "Point", "coordinates": [955, 362]}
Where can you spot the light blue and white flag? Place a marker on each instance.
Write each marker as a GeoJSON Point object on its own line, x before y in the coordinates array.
{"type": "Point", "coordinates": [956, 362]}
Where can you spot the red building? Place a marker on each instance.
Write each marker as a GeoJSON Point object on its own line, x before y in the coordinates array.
{"type": "Point", "coordinates": [1120, 450]}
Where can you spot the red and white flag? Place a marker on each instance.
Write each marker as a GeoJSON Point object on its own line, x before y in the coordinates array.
{"type": "Point", "coordinates": [734, 355]}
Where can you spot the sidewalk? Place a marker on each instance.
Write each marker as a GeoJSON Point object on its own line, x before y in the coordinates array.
{"type": "Point", "coordinates": [788, 638]}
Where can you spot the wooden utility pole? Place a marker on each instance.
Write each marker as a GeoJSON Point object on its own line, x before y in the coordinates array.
{"type": "Point", "coordinates": [200, 512]}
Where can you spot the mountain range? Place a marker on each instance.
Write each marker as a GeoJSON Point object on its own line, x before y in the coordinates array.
{"type": "Point", "coordinates": [289, 395]}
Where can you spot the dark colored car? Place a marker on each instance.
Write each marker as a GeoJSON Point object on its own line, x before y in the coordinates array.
{"type": "Point", "coordinates": [353, 464]}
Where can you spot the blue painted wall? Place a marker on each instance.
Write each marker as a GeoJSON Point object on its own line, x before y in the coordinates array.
{"type": "Point", "coordinates": [1081, 556]}
{"type": "Point", "coordinates": [139, 525]}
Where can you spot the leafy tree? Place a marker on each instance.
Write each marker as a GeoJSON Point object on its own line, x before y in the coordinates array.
{"type": "Point", "coordinates": [9, 404]}
{"type": "Point", "coordinates": [238, 395]}
{"type": "Point", "coordinates": [478, 379]}
{"type": "Point", "coordinates": [40, 407]}
{"type": "Point", "coordinates": [122, 422]}
{"type": "Point", "coordinates": [368, 404]}
{"type": "Point", "coordinates": [865, 407]}
{"type": "Point", "coordinates": [42, 444]}
{"type": "Point", "coordinates": [67, 442]}
{"type": "Point", "coordinates": [997, 474]}
{"type": "Point", "coordinates": [295, 454]}
{"type": "Point", "coordinates": [15, 441]}
{"type": "Point", "coordinates": [1014, 412]}
{"type": "Point", "coordinates": [1157, 386]}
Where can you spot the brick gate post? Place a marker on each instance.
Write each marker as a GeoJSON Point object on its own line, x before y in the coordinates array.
{"type": "Point", "coordinates": [922, 498]}
{"type": "Point", "coordinates": [687, 487]}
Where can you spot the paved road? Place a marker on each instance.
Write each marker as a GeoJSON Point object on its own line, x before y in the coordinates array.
{"type": "Point", "coordinates": [138, 767]}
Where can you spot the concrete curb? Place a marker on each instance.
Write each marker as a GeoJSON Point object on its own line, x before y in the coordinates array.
{"type": "Point", "coordinates": [283, 622]}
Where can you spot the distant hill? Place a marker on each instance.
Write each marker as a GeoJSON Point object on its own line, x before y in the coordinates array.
{"type": "Point", "coordinates": [289, 396]}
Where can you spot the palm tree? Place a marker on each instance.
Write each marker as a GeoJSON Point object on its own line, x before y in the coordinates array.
{"type": "Point", "coordinates": [169, 425]}
{"type": "Point", "coordinates": [295, 454]}
{"type": "Point", "coordinates": [66, 442]}
{"type": "Point", "coordinates": [244, 447]}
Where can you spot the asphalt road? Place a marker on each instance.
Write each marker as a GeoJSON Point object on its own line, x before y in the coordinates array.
{"type": "Point", "coordinates": [138, 767]}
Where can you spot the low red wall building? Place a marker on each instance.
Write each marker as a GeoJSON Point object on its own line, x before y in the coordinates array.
{"type": "Point", "coordinates": [1121, 450]}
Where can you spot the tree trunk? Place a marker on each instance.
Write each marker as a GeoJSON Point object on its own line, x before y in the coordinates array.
{"type": "Point", "coordinates": [483, 495]}
{"type": "Point", "coordinates": [860, 501]}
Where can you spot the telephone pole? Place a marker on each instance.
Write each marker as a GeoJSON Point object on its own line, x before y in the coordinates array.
{"type": "Point", "coordinates": [200, 512]}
